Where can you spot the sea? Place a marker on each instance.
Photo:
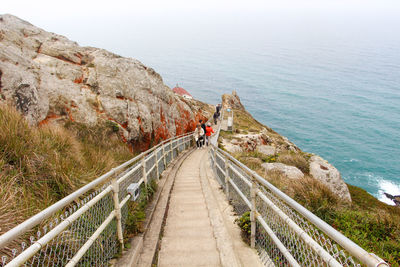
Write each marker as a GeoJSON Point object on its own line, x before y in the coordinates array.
{"type": "Point", "coordinates": [327, 80]}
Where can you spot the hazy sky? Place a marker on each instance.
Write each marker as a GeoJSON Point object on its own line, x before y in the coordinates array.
{"type": "Point", "coordinates": [106, 23]}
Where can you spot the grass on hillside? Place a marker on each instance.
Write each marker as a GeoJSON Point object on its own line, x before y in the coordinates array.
{"type": "Point", "coordinates": [373, 225]}
{"type": "Point", "coordinates": [40, 165]}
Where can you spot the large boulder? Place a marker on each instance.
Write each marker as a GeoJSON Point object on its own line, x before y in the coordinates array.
{"type": "Point", "coordinates": [232, 101]}
{"type": "Point", "coordinates": [321, 170]}
{"type": "Point", "coordinates": [290, 172]}
{"type": "Point", "coordinates": [50, 78]}
{"type": "Point", "coordinates": [231, 145]}
{"type": "Point", "coordinates": [267, 150]}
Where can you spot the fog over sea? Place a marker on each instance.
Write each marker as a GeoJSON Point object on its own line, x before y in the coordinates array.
{"type": "Point", "coordinates": [328, 79]}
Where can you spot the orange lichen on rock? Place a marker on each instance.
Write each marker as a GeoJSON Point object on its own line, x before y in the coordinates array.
{"type": "Point", "coordinates": [124, 98]}
{"type": "Point", "coordinates": [79, 79]}
{"type": "Point", "coordinates": [69, 114]}
{"type": "Point", "coordinates": [73, 104]}
{"type": "Point", "coordinates": [161, 132]}
{"type": "Point", "coordinates": [79, 55]}
{"type": "Point", "coordinates": [49, 117]}
{"type": "Point", "coordinates": [65, 59]}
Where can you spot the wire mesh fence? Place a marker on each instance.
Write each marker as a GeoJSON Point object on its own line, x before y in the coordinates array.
{"type": "Point", "coordinates": [61, 236]}
{"type": "Point", "coordinates": [287, 235]}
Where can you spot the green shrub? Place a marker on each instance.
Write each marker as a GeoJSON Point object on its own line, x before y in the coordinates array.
{"type": "Point", "coordinates": [113, 126]}
{"type": "Point", "coordinates": [245, 224]}
{"type": "Point", "coordinates": [137, 210]}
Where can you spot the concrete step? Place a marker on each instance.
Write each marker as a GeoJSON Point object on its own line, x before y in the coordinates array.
{"type": "Point", "coordinates": [195, 202]}
{"type": "Point", "coordinates": [190, 232]}
{"type": "Point", "coordinates": [175, 224]}
{"type": "Point", "coordinates": [188, 244]}
{"type": "Point", "coordinates": [187, 187]}
{"type": "Point", "coordinates": [175, 258]}
{"type": "Point", "coordinates": [188, 215]}
{"type": "Point", "coordinates": [186, 195]}
{"type": "Point", "coordinates": [187, 192]}
{"type": "Point", "coordinates": [185, 181]}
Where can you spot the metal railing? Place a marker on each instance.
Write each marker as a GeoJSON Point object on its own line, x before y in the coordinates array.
{"type": "Point", "coordinates": [86, 227]}
{"type": "Point", "coordinates": [284, 232]}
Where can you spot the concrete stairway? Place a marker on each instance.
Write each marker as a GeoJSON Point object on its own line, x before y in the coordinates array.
{"type": "Point", "coordinates": [198, 230]}
{"type": "Point", "coordinates": [188, 236]}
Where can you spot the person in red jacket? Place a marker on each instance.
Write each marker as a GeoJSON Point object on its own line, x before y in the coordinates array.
{"type": "Point", "coordinates": [209, 130]}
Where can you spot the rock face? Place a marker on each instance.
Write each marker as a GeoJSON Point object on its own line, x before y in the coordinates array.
{"type": "Point", "coordinates": [252, 136]}
{"type": "Point", "coordinates": [267, 150]}
{"type": "Point", "coordinates": [48, 78]}
{"type": "Point", "coordinates": [262, 142]}
{"type": "Point", "coordinates": [323, 171]}
{"type": "Point", "coordinates": [231, 101]}
{"type": "Point", "coordinates": [290, 172]}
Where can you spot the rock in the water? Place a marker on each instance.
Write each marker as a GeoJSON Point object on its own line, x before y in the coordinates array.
{"type": "Point", "coordinates": [321, 170]}
{"type": "Point", "coordinates": [396, 199]}
{"type": "Point", "coordinates": [290, 172]}
{"type": "Point", "coordinates": [48, 77]}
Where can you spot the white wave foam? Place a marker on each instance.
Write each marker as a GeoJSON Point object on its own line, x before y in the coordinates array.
{"type": "Point", "coordinates": [390, 188]}
{"type": "Point", "coordinates": [351, 160]}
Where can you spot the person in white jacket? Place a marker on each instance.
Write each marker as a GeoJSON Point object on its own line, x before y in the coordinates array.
{"type": "Point", "coordinates": [198, 136]}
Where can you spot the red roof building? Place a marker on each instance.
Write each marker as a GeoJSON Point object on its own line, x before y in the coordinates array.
{"type": "Point", "coordinates": [182, 92]}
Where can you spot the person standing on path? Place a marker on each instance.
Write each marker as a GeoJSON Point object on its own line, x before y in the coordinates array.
{"type": "Point", "coordinates": [203, 126]}
{"type": "Point", "coordinates": [218, 109]}
{"type": "Point", "coordinates": [199, 136]}
{"type": "Point", "coordinates": [215, 117]}
{"type": "Point", "coordinates": [209, 130]}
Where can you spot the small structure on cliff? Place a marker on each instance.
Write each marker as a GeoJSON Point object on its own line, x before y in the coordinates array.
{"type": "Point", "coordinates": [182, 92]}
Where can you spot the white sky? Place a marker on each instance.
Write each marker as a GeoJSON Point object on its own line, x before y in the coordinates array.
{"type": "Point", "coordinates": [104, 23]}
{"type": "Point", "coordinates": [78, 9]}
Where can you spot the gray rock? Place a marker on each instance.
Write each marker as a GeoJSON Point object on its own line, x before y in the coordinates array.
{"type": "Point", "coordinates": [232, 101]}
{"type": "Point", "coordinates": [44, 74]}
{"type": "Point", "coordinates": [231, 146]}
{"type": "Point", "coordinates": [267, 150]}
{"type": "Point", "coordinates": [290, 172]}
{"type": "Point", "coordinates": [326, 173]}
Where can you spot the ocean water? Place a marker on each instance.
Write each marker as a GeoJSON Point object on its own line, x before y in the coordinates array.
{"type": "Point", "coordinates": [331, 84]}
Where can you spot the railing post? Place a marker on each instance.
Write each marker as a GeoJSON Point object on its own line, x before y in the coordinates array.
{"type": "Point", "coordinates": [144, 170]}
{"type": "Point", "coordinates": [164, 158]}
{"type": "Point", "coordinates": [215, 156]}
{"type": "Point", "coordinates": [158, 171]}
{"type": "Point", "coordinates": [253, 213]}
{"type": "Point", "coordinates": [226, 176]}
{"type": "Point", "coordinates": [115, 189]}
{"type": "Point", "coordinates": [172, 150]}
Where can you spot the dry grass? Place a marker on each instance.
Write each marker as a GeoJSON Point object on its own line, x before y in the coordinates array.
{"type": "Point", "coordinates": [299, 160]}
{"type": "Point", "coordinates": [41, 165]}
{"type": "Point", "coordinates": [244, 121]}
{"type": "Point", "coordinates": [371, 224]}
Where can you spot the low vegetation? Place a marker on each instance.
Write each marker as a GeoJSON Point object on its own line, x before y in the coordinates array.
{"type": "Point", "coordinates": [243, 122]}
{"type": "Point", "coordinates": [40, 165]}
{"type": "Point", "coordinates": [137, 211]}
{"type": "Point", "coordinates": [373, 225]}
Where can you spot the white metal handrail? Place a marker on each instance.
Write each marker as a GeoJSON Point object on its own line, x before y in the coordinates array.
{"type": "Point", "coordinates": [103, 212]}
{"type": "Point", "coordinates": [298, 237]}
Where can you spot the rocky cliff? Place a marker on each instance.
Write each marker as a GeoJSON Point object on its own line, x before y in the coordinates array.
{"type": "Point", "coordinates": [50, 78]}
{"type": "Point", "coordinates": [260, 146]}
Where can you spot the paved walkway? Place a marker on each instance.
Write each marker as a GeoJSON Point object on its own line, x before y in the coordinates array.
{"type": "Point", "coordinates": [195, 233]}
